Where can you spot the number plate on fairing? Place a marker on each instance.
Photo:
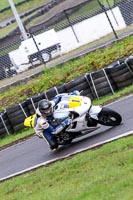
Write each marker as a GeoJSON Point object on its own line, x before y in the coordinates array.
{"type": "Point", "coordinates": [75, 101]}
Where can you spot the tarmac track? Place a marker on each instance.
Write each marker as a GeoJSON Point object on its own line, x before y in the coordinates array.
{"type": "Point", "coordinates": [35, 152]}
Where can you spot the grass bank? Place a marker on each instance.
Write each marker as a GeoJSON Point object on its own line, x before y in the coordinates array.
{"type": "Point", "coordinates": [104, 173]}
{"type": "Point", "coordinates": [51, 77]}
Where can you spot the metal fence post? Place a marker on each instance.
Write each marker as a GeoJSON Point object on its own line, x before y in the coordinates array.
{"type": "Point", "coordinates": [71, 26]}
{"type": "Point", "coordinates": [4, 124]}
{"type": "Point", "coordinates": [94, 85]}
{"type": "Point", "coordinates": [22, 109]}
{"type": "Point", "coordinates": [108, 80]}
{"type": "Point", "coordinates": [104, 9]}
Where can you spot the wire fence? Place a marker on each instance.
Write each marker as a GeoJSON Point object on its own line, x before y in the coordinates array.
{"type": "Point", "coordinates": [90, 22]}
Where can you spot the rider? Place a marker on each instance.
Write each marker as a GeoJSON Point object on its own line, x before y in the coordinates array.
{"type": "Point", "coordinates": [43, 122]}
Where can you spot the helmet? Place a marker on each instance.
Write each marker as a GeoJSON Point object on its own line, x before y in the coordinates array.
{"type": "Point", "coordinates": [45, 107]}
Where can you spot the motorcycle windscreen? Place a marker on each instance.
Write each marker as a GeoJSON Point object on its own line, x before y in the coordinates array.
{"type": "Point", "coordinates": [29, 121]}
{"type": "Point", "coordinates": [61, 114]}
{"type": "Point", "coordinates": [75, 101]}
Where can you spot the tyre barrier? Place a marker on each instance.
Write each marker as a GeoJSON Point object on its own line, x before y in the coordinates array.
{"type": "Point", "coordinates": [96, 84]}
{"type": "Point", "coordinates": [16, 114]}
{"type": "Point", "coordinates": [33, 101]}
{"type": "Point", "coordinates": [5, 125]}
{"type": "Point", "coordinates": [122, 73]}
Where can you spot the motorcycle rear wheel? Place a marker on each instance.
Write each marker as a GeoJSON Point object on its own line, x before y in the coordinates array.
{"type": "Point", "coordinates": [109, 117]}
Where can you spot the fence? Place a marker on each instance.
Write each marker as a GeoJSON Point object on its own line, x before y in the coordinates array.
{"type": "Point", "coordinates": [79, 24]}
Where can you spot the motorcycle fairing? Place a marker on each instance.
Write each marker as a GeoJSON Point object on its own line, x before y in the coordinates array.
{"type": "Point", "coordinates": [94, 111]}
{"type": "Point", "coordinates": [75, 101]}
{"type": "Point", "coordinates": [79, 104]}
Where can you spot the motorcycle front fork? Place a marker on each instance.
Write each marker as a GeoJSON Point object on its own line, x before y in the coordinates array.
{"type": "Point", "coordinates": [90, 121]}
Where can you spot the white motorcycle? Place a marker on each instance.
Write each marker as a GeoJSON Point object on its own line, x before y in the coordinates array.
{"type": "Point", "coordinates": [84, 117]}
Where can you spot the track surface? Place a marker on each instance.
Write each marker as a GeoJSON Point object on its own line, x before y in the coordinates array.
{"type": "Point", "coordinates": [35, 151]}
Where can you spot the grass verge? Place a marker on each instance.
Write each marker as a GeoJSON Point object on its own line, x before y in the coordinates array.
{"type": "Point", "coordinates": [104, 173]}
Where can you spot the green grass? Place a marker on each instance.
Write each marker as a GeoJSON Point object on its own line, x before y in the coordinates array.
{"type": "Point", "coordinates": [64, 73]}
{"type": "Point", "coordinates": [25, 6]}
{"type": "Point", "coordinates": [7, 30]}
{"type": "Point", "coordinates": [101, 174]}
{"type": "Point", "coordinates": [5, 3]}
{"type": "Point", "coordinates": [20, 9]}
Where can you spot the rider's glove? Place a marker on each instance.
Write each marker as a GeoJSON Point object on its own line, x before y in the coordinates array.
{"type": "Point", "coordinates": [75, 92]}
{"type": "Point", "coordinates": [66, 122]}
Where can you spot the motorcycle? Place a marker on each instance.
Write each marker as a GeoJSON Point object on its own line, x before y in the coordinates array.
{"type": "Point", "coordinates": [84, 117]}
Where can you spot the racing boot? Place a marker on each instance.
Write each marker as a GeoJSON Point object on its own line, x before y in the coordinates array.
{"type": "Point", "coordinates": [50, 138]}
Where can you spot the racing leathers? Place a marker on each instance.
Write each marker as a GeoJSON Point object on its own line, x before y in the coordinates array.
{"type": "Point", "coordinates": [44, 128]}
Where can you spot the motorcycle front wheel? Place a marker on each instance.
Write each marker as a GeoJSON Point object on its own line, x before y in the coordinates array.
{"type": "Point", "coordinates": [109, 117]}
